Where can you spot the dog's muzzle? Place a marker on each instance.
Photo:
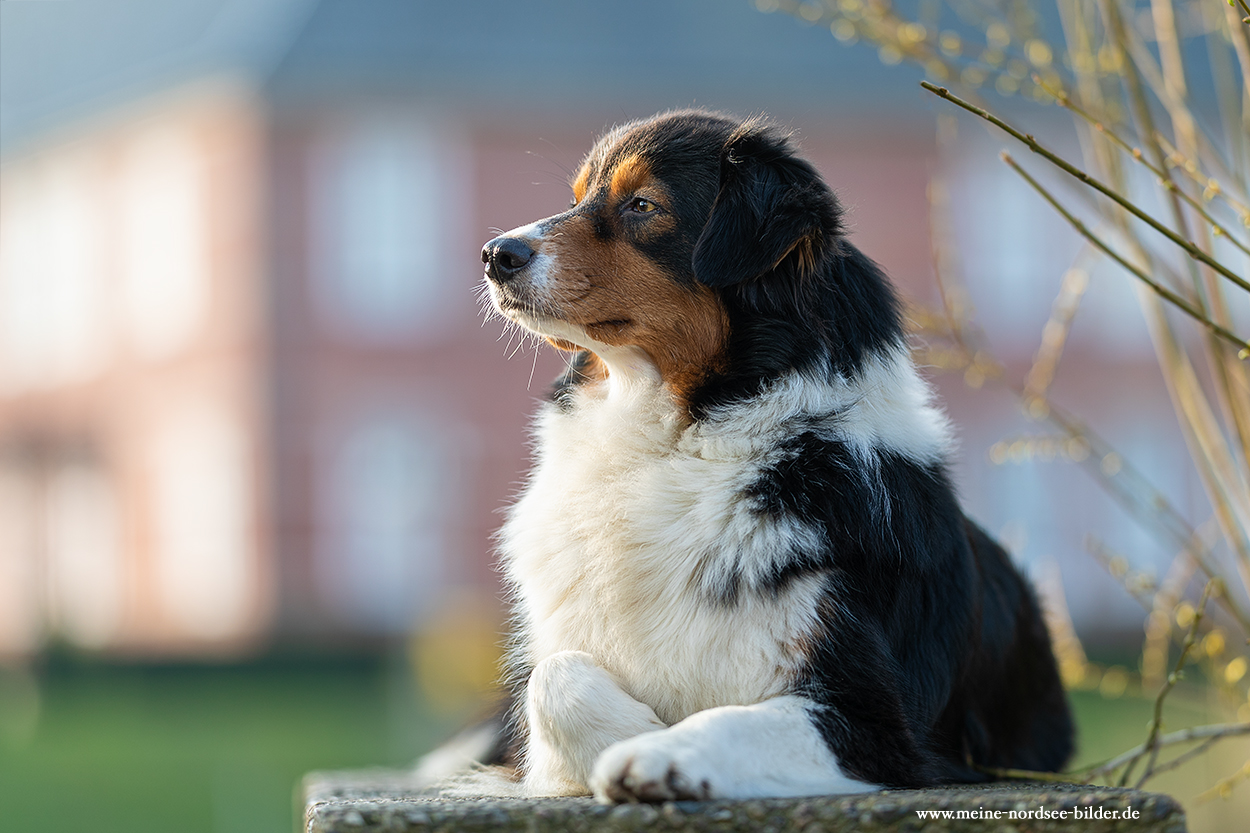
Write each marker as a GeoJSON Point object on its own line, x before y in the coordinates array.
{"type": "Point", "coordinates": [505, 257]}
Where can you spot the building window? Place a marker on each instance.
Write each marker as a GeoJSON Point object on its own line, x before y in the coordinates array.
{"type": "Point", "coordinates": [389, 495]}
{"type": "Point", "coordinates": [203, 493]}
{"type": "Point", "coordinates": [54, 318]}
{"type": "Point", "coordinates": [1015, 249]}
{"type": "Point", "coordinates": [164, 242]}
{"type": "Point", "coordinates": [21, 609]}
{"type": "Point", "coordinates": [387, 202]}
{"type": "Point", "coordinates": [86, 580]}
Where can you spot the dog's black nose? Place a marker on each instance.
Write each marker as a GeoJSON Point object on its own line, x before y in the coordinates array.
{"type": "Point", "coordinates": [505, 257]}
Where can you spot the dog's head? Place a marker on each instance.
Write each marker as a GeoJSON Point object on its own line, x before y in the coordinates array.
{"type": "Point", "coordinates": [693, 242]}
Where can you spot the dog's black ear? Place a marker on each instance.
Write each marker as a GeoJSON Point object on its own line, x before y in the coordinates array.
{"type": "Point", "coordinates": [772, 209]}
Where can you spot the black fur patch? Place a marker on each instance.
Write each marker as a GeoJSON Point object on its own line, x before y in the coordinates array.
{"type": "Point", "coordinates": [931, 638]}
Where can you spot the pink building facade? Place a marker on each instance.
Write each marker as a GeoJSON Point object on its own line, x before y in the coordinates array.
{"type": "Point", "coordinates": [248, 392]}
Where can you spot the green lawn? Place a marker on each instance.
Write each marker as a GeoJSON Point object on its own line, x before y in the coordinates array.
{"type": "Point", "coordinates": [220, 749]}
{"type": "Point", "coordinates": [186, 749]}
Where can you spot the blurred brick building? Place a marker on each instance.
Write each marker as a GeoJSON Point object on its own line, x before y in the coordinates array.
{"type": "Point", "coordinates": [245, 389]}
{"type": "Point", "coordinates": [246, 394]}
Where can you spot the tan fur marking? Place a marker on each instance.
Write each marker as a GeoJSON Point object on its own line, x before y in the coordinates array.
{"type": "Point", "coordinates": [594, 368]}
{"type": "Point", "coordinates": [580, 183]}
{"type": "Point", "coordinates": [804, 252]}
{"type": "Point", "coordinates": [629, 175]}
{"type": "Point", "coordinates": [623, 298]}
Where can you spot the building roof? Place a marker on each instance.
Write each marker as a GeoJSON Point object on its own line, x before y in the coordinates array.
{"type": "Point", "coordinates": [66, 60]}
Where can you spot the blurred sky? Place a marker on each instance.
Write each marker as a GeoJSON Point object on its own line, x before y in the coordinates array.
{"type": "Point", "coordinates": [60, 60]}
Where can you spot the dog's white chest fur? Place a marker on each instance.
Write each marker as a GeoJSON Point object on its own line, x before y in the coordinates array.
{"type": "Point", "coordinates": [633, 524]}
{"type": "Point", "coordinates": [627, 526]}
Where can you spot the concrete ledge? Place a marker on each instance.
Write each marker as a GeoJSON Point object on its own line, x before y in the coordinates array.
{"type": "Point", "coordinates": [380, 802]}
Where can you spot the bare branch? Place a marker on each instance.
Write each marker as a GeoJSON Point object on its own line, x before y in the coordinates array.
{"type": "Point", "coordinates": [1190, 248]}
{"type": "Point", "coordinates": [1244, 8]}
{"type": "Point", "coordinates": [1007, 774]}
{"type": "Point", "coordinates": [1209, 734]}
{"type": "Point", "coordinates": [1216, 731]}
{"type": "Point", "coordinates": [1162, 291]}
{"type": "Point", "coordinates": [1165, 181]}
{"type": "Point", "coordinates": [1156, 721]}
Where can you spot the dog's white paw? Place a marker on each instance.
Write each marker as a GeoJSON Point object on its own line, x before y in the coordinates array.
{"type": "Point", "coordinates": [655, 766]}
{"type": "Point", "coordinates": [770, 749]}
{"type": "Point", "coordinates": [575, 710]}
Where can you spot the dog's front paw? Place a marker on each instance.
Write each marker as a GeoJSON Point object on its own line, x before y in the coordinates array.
{"type": "Point", "coordinates": [575, 710]}
{"type": "Point", "coordinates": [655, 766]}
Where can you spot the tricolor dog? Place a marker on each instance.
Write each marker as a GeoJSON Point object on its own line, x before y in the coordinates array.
{"type": "Point", "coordinates": [738, 567]}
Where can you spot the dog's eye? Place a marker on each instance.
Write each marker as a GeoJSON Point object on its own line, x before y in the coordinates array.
{"type": "Point", "coordinates": [642, 206]}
